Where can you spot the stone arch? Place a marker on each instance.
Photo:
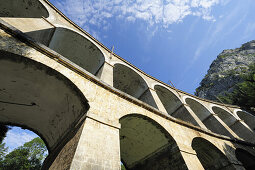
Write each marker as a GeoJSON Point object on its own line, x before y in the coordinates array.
{"type": "Point", "coordinates": [226, 116]}
{"type": "Point", "coordinates": [145, 144]}
{"type": "Point", "coordinates": [77, 49]}
{"type": "Point", "coordinates": [173, 105]}
{"type": "Point", "coordinates": [235, 124]}
{"type": "Point", "coordinates": [209, 155]}
{"type": "Point", "coordinates": [248, 118]}
{"type": "Point", "coordinates": [206, 117]}
{"type": "Point", "coordinates": [41, 99]}
{"type": "Point", "coordinates": [130, 82]}
{"type": "Point", "coordinates": [246, 158]}
{"type": "Point", "coordinates": [23, 9]}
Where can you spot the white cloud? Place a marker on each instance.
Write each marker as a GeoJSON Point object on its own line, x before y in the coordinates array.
{"type": "Point", "coordinates": [16, 137]}
{"type": "Point", "coordinates": [164, 12]}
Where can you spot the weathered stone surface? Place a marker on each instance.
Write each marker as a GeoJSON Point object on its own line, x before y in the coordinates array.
{"type": "Point", "coordinates": [106, 105]}
{"type": "Point", "coordinates": [225, 71]}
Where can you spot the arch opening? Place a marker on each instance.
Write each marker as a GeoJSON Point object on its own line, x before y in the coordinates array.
{"type": "Point", "coordinates": [22, 149]}
{"type": "Point", "coordinates": [128, 81]}
{"type": "Point", "coordinates": [246, 158]}
{"type": "Point", "coordinates": [41, 99]}
{"type": "Point", "coordinates": [224, 115]}
{"type": "Point", "coordinates": [26, 9]}
{"type": "Point", "coordinates": [173, 105]}
{"type": "Point", "coordinates": [144, 144]}
{"type": "Point", "coordinates": [210, 156]}
{"type": "Point", "coordinates": [72, 46]}
{"type": "Point", "coordinates": [236, 125]}
{"type": "Point", "coordinates": [77, 49]}
{"type": "Point", "coordinates": [248, 118]}
{"type": "Point", "coordinates": [207, 117]}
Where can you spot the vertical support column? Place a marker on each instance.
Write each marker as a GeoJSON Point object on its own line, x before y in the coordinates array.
{"type": "Point", "coordinates": [106, 73]}
{"type": "Point", "coordinates": [243, 130]}
{"type": "Point", "coordinates": [190, 158]}
{"type": "Point", "coordinates": [98, 147]}
{"type": "Point", "coordinates": [61, 157]}
{"type": "Point", "coordinates": [194, 116]}
{"type": "Point", "coordinates": [157, 101]}
{"type": "Point", "coordinates": [225, 126]}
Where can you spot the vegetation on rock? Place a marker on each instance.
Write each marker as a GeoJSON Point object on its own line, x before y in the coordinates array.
{"type": "Point", "coordinates": [231, 78]}
{"type": "Point", "coordinates": [243, 94]}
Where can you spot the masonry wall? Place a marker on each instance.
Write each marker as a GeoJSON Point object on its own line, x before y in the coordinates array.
{"type": "Point", "coordinates": [98, 146]}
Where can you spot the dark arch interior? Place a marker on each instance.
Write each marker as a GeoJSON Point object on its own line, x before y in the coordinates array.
{"type": "Point", "coordinates": [224, 115]}
{"type": "Point", "coordinates": [210, 156]}
{"type": "Point", "coordinates": [128, 81]}
{"type": "Point", "coordinates": [144, 144]}
{"type": "Point", "coordinates": [247, 159]}
{"type": "Point", "coordinates": [72, 46]}
{"type": "Point", "coordinates": [39, 98]}
{"type": "Point", "coordinates": [173, 105]}
{"type": "Point", "coordinates": [22, 9]}
{"type": "Point", "coordinates": [238, 127]}
{"type": "Point", "coordinates": [248, 118]}
{"type": "Point", "coordinates": [77, 49]}
{"type": "Point", "coordinates": [206, 117]}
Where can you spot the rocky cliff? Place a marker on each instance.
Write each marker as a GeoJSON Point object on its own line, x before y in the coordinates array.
{"type": "Point", "coordinates": [226, 70]}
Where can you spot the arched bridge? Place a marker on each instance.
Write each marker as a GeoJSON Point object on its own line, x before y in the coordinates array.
{"type": "Point", "coordinates": [94, 110]}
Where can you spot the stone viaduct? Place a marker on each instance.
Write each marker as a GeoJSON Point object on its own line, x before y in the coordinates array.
{"type": "Point", "coordinates": [94, 110]}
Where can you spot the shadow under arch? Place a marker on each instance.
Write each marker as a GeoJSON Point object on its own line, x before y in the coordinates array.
{"type": "Point", "coordinates": [236, 125]}
{"type": "Point", "coordinates": [210, 156]}
{"type": "Point", "coordinates": [130, 82]}
{"type": "Point", "coordinates": [248, 118]}
{"type": "Point", "coordinates": [246, 158]}
{"type": "Point", "coordinates": [77, 49]}
{"type": "Point", "coordinates": [23, 9]}
{"type": "Point", "coordinates": [174, 105]}
{"type": "Point", "coordinates": [145, 144]}
{"type": "Point", "coordinates": [38, 98]}
{"type": "Point", "coordinates": [207, 117]}
{"type": "Point", "coordinates": [72, 45]}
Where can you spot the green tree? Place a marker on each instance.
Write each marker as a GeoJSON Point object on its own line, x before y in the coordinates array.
{"type": "Point", "coordinates": [3, 151]}
{"type": "Point", "coordinates": [37, 149]}
{"type": "Point", "coordinates": [123, 167]}
{"type": "Point", "coordinates": [16, 160]}
{"type": "Point", "coordinates": [29, 156]}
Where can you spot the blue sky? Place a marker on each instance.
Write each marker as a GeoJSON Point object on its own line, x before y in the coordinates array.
{"type": "Point", "coordinates": [169, 39]}
{"type": "Point", "coordinates": [17, 137]}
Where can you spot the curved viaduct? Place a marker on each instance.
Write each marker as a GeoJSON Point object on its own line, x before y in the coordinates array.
{"type": "Point", "coordinates": [94, 110]}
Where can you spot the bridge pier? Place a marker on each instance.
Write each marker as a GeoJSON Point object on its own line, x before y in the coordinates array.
{"type": "Point", "coordinates": [98, 147]}
{"type": "Point", "coordinates": [195, 118]}
{"type": "Point", "coordinates": [105, 73]}
{"type": "Point", "coordinates": [157, 101]}
{"type": "Point", "coordinates": [95, 146]}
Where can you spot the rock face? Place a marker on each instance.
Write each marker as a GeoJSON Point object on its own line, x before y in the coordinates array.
{"type": "Point", "coordinates": [226, 70]}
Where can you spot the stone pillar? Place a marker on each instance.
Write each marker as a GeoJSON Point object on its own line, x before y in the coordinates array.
{"type": "Point", "coordinates": [190, 157]}
{"type": "Point", "coordinates": [243, 130]}
{"type": "Point", "coordinates": [106, 73]}
{"type": "Point", "coordinates": [194, 116]}
{"type": "Point", "coordinates": [98, 147]}
{"type": "Point", "coordinates": [225, 126]}
{"type": "Point", "coordinates": [157, 101]}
